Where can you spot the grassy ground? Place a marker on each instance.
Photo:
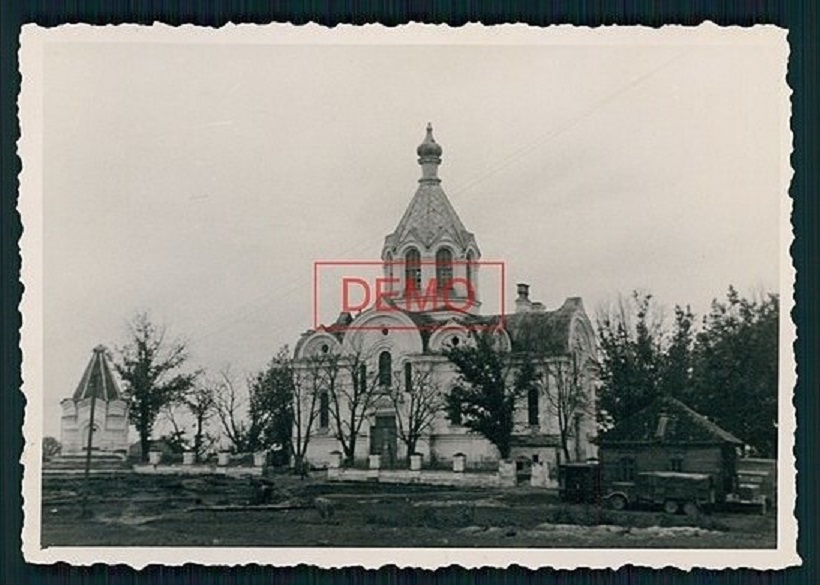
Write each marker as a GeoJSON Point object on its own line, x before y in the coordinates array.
{"type": "Point", "coordinates": [141, 510]}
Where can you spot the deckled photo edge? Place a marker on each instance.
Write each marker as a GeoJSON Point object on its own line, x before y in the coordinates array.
{"type": "Point", "coordinates": [30, 207]}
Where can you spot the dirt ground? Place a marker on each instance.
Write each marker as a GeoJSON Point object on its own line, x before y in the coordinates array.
{"type": "Point", "coordinates": [142, 510]}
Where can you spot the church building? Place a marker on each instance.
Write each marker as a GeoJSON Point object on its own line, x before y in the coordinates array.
{"type": "Point", "coordinates": [399, 342]}
{"type": "Point", "coordinates": [110, 411]}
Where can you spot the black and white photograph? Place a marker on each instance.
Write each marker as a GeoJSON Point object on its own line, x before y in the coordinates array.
{"type": "Point", "coordinates": [421, 296]}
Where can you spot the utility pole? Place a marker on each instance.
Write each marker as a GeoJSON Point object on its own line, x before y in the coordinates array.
{"type": "Point", "coordinates": [85, 512]}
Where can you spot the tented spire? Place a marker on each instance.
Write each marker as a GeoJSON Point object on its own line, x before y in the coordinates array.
{"type": "Point", "coordinates": [98, 379]}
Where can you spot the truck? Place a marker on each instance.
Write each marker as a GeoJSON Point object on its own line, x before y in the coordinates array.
{"type": "Point", "coordinates": [750, 492]}
{"type": "Point", "coordinates": [672, 490]}
{"type": "Point", "coordinates": [580, 482]}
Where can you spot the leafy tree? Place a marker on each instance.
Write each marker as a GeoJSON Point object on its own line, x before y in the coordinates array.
{"type": "Point", "coordinates": [271, 405]}
{"type": "Point", "coordinates": [150, 366]}
{"type": "Point", "coordinates": [630, 338]}
{"type": "Point", "coordinates": [735, 370]}
{"type": "Point", "coordinates": [728, 370]}
{"type": "Point", "coordinates": [417, 401]}
{"type": "Point", "coordinates": [677, 362]}
{"type": "Point", "coordinates": [487, 398]}
{"type": "Point", "coordinates": [51, 448]}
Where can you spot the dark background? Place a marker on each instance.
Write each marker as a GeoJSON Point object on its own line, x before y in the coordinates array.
{"type": "Point", "coordinates": [800, 18]}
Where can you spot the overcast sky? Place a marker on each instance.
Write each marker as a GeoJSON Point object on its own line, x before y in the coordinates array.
{"type": "Point", "coordinates": [201, 180]}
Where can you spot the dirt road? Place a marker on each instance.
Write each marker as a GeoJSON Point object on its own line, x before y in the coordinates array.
{"type": "Point", "coordinates": [134, 510]}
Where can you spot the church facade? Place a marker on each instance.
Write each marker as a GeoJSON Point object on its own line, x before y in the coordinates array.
{"type": "Point", "coordinates": [97, 401]}
{"type": "Point", "coordinates": [432, 301]}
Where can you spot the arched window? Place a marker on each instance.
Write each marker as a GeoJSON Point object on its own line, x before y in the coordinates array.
{"type": "Point", "coordinates": [412, 270]}
{"type": "Point", "coordinates": [471, 269]}
{"type": "Point", "coordinates": [532, 407]}
{"type": "Point", "coordinates": [408, 377]}
{"type": "Point", "coordinates": [324, 410]}
{"type": "Point", "coordinates": [444, 268]}
{"type": "Point", "coordinates": [385, 368]}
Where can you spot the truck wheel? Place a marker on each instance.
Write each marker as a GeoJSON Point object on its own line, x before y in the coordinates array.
{"type": "Point", "coordinates": [617, 502]}
{"type": "Point", "coordinates": [670, 506]}
{"type": "Point", "coordinates": [691, 509]}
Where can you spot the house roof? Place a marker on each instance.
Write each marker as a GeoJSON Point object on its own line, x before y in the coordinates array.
{"type": "Point", "coordinates": [545, 332]}
{"type": "Point", "coordinates": [542, 332]}
{"type": "Point", "coordinates": [668, 420]}
{"type": "Point", "coordinates": [98, 379]}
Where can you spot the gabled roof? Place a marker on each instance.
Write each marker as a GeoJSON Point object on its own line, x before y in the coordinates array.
{"type": "Point", "coordinates": [668, 420]}
{"type": "Point", "coordinates": [545, 332]}
{"type": "Point", "coordinates": [98, 379]}
{"type": "Point", "coordinates": [541, 332]}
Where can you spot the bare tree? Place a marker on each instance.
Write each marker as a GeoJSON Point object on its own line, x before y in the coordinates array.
{"type": "Point", "coordinates": [417, 401]}
{"type": "Point", "coordinates": [232, 410]}
{"type": "Point", "coordinates": [352, 390]}
{"type": "Point", "coordinates": [568, 397]}
{"type": "Point", "coordinates": [176, 440]}
{"type": "Point", "coordinates": [260, 416]}
{"type": "Point", "coordinates": [200, 401]}
{"type": "Point", "coordinates": [310, 377]}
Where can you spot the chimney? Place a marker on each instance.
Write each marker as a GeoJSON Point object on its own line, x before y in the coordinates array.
{"type": "Point", "coordinates": [523, 303]}
{"type": "Point", "coordinates": [344, 319]}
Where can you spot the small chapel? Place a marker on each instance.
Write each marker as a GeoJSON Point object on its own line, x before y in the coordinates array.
{"type": "Point", "coordinates": [97, 401]}
{"type": "Point", "coordinates": [431, 244]}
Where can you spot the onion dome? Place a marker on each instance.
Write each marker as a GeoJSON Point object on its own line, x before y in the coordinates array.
{"type": "Point", "coordinates": [429, 148]}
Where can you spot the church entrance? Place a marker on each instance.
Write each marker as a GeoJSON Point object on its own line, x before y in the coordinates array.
{"type": "Point", "coordinates": [383, 439]}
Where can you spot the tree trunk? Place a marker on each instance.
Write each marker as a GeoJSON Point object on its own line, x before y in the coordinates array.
{"type": "Point", "coordinates": [299, 464]}
{"type": "Point", "coordinates": [350, 451]}
{"type": "Point", "coordinates": [198, 441]}
{"type": "Point", "coordinates": [411, 448]}
{"type": "Point", "coordinates": [504, 449]}
{"type": "Point", "coordinates": [145, 445]}
{"type": "Point", "coordinates": [565, 447]}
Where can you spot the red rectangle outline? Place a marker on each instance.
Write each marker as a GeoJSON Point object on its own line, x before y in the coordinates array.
{"type": "Point", "coordinates": [317, 263]}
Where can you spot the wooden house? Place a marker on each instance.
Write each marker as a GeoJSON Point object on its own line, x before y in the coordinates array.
{"type": "Point", "coordinates": [669, 436]}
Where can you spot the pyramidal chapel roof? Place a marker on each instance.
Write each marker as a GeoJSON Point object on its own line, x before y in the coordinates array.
{"type": "Point", "coordinates": [98, 379]}
{"type": "Point", "coordinates": [430, 215]}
